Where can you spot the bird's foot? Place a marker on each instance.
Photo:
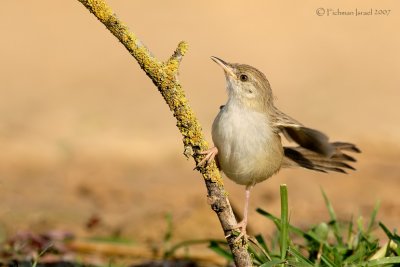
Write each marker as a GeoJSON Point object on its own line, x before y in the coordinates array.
{"type": "Point", "coordinates": [210, 155]}
{"type": "Point", "coordinates": [241, 227]}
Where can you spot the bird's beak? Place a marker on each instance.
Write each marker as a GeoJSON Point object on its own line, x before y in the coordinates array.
{"type": "Point", "coordinates": [226, 66]}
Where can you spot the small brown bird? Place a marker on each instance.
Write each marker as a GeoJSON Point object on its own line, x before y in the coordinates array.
{"type": "Point", "coordinates": [246, 135]}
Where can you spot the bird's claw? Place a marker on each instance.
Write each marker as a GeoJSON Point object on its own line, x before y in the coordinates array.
{"type": "Point", "coordinates": [209, 156]}
{"type": "Point", "coordinates": [242, 232]}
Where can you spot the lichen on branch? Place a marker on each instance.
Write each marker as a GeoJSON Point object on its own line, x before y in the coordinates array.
{"type": "Point", "coordinates": [165, 76]}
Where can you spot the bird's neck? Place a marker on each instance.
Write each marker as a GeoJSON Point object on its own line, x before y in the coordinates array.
{"type": "Point", "coordinates": [238, 103]}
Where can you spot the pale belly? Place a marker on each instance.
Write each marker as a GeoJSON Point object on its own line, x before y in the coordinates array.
{"type": "Point", "coordinates": [248, 151]}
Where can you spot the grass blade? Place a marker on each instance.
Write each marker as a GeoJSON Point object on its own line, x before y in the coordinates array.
{"type": "Point", "coordinates": [332, 214]}
{"type": "Point", "coordinates": [327, 261]}
{"type": "Point", "coordinates": [168, 233]}
{"type": "Point", "coordinates": [284, 221]}
{"type": "Point", "coordinates": [268, 215]}
{"type": "Point", "coordinates": [300, 259]}
{"type": "Point", "coordinates": [262, 243]}
{"type": "Point", "coordinates": [373, 217]}
{"type": "Point", "coordinates": [350, 234]}
{"type": "Point", "coordinates": [273, 263]}
{"type": "Point", "coordinates": [391, 236]}
{"type": "Point", "coordinates": [293, 229]}
{"type": "Point", "coordinates": [257, 253]}
{"type": "Point", "coordinates": [381, 262]}
{"type": "Point", "coordinates": [214, 246]}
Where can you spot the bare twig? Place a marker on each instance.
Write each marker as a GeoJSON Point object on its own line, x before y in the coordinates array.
{"type": "Point", "coordinates": [164, 76]}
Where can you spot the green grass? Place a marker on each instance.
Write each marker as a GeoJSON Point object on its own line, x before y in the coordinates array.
{"type": "Point", "coordinates": [329, 244]}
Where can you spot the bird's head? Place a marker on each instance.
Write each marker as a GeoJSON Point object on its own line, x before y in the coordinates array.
{"type": "Point", "coordinates": [247, 85]}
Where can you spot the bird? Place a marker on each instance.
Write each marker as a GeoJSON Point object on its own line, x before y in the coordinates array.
{"type": "Point", "coordinates": [247, 136]}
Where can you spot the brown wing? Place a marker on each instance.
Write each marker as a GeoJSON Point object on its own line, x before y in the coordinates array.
{"type": "Point", "coordinates": [315, 151]}
{"type": "Point", "coordinates": [338, 162]}
{"type": "Point", "coordinates": [306, 137]}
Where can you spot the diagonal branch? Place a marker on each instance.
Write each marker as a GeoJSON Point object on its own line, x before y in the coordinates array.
{"type": "Point", "coordinates": [165, 76]}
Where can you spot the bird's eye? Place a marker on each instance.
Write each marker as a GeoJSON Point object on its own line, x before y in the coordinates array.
{"type": "Point", "coordinates": [244, 77]}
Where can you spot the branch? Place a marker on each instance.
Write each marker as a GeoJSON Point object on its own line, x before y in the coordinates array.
{"type": "Point", "coordinates": [165, 76]}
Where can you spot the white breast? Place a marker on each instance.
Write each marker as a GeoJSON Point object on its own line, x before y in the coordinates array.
{"type": "Point", "coordinates": [248, 150]}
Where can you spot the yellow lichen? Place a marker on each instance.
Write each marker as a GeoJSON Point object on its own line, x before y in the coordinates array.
{"type": "Point", "coordinates": [164, 77]}
{"type": "Point", "coordinates": [102, 11]}
{"type": "Point", "coordinates": [183, 47]}
{"type": "Point", "coordinates": [172, 65]}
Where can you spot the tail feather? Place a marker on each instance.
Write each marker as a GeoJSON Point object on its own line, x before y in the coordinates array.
{"type": "Point", "coordinates": [346, 146]}
{"type": "Point", "coordinates": [344, 157]}
{"type": "Point", "coordinates": [302, 157]}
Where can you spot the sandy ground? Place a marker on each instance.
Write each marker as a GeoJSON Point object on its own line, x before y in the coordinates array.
{"type": "Point", "coordinates": [84, 132]}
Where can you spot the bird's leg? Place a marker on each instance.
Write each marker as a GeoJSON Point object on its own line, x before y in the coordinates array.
{"type": "Point", "coordinates": [243, 224]}
{"type": "Point", "coordinates": [210, 155]}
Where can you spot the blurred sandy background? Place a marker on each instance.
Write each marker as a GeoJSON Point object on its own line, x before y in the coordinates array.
{"type": "Point", "coordinates": [83, 131]}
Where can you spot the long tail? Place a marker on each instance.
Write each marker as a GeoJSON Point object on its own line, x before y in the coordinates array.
{"type": "Point", "coordinates": [338, 162]}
